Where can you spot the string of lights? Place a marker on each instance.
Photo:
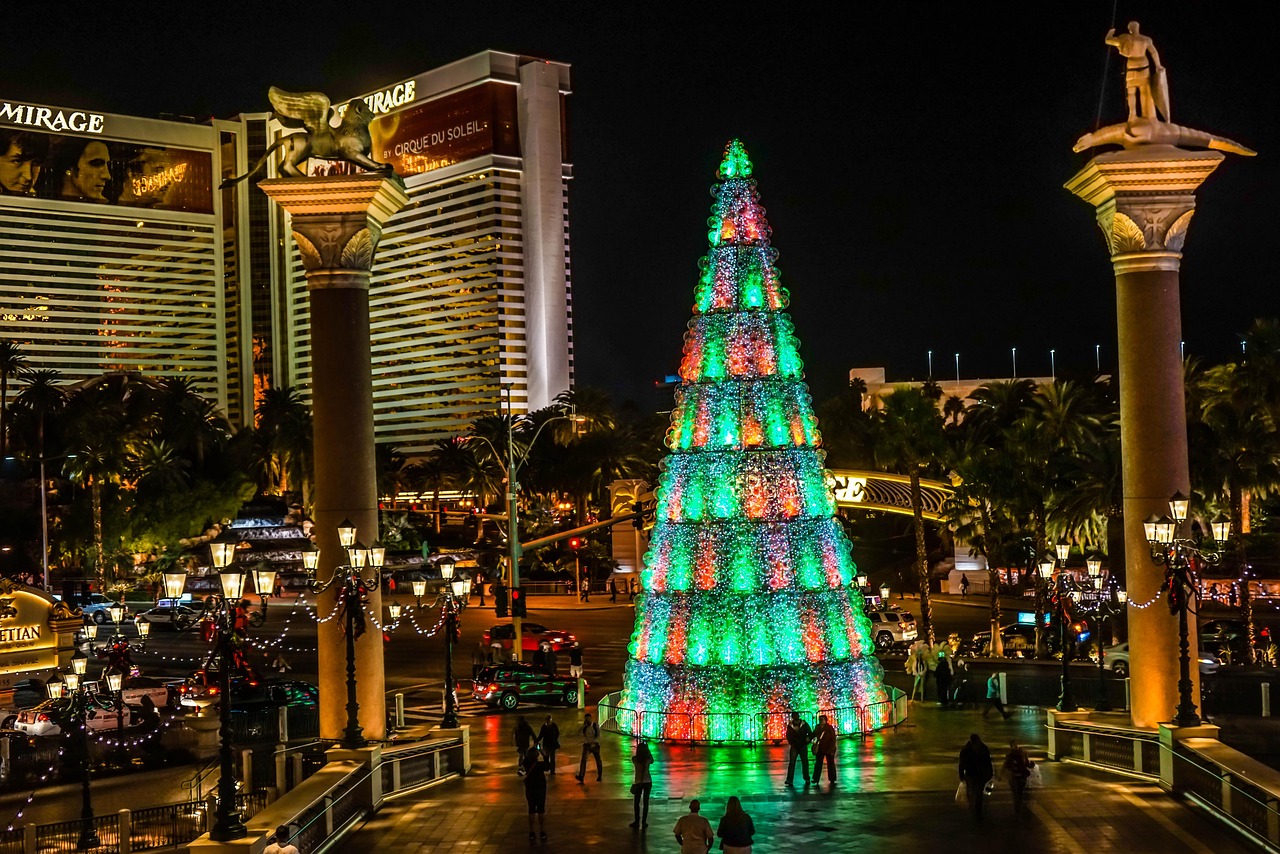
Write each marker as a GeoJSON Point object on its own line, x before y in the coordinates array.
{"type": "Point", "coordinates": [44, 778]}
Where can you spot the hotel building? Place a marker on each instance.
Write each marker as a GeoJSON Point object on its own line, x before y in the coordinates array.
{"type": "Point", "coordinates": [471, 286]}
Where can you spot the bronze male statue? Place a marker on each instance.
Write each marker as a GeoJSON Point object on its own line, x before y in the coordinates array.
{"type": "Point", "coordinates": [1145, 82]}
{"type": "Point", "coordinates": [310, 112]}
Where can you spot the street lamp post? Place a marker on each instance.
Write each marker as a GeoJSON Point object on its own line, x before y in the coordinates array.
{"type": "Point", "coordinates": [512, 500]}
{"type": "Point", "coordinates": [221, 613]}
{"type": "Point", "coordinates": [1178, 555]}
{"type": "Point", "coordinates": [73, 685]}
{"type": "Point", "coordinates": [353, 595]}
{"type": "Point", "coordinates": [454, 593]}
{"type": "Point", "coordinates": [1110, 604]}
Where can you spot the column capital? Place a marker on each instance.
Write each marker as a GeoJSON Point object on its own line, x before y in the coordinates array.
{"type": "Point", "coordinates": [1144, 198]}
{"type": "Point", "coordinates": [337, 222]}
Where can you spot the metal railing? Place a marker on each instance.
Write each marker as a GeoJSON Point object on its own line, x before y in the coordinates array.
{"type": "Point", "coordinates": [416, 766]}
{"type": "Point", "coordinates": [1134, 752]}
{"type": "Point", "coordinates": [1249, 806]}
{"type": "Point", "coordinates": [741, 727]}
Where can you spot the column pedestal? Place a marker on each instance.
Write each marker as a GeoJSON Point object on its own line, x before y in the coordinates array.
{"type": "Point", "coordinates": [337, 222]}
{"type": "Point", "coordinates": [1145, 199]}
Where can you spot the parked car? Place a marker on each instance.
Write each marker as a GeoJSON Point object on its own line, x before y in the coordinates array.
{"type": "Point", "coordinates": [98, 608]}
{"type": "Point", "coordinates": [1116, 659]}
{"type": "Point", "coordinates": [892, 626]}
{"type": "Point", "coordinates": [200, 690]}
{"type": "Point", "coordinates": [508, 685]}
{"type": "Point", "coordinates": [169, 613]}
{"type": "Point", "coordinates": [163, 692]}
{"type": "Point", "coordinates": [1017, 639]}
{"type": "Point", "coordinates": [53, 717]}
{"type": "Point", "coordinates": [531, 636]}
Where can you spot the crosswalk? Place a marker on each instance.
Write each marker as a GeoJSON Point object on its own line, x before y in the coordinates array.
{"type": "Point", "coordinates": [468, 707]}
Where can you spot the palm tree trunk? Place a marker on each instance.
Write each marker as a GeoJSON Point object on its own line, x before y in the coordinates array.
{"type": "Point", "coordinates": [95, 493]}
{"type": "Point", "coordinates": [435, 507]}
{"type": "Point", "coordinates": [1236, 494]}
{"type": "Point", "coordinates": [4, 412]}
{"type": "Point", "coordinates": [922, 557]}
{"type": "Point", "coordinates": [1042, 548]}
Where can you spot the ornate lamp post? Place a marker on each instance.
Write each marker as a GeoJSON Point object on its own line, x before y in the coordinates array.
{"type": "Point", "coordinates": [221, 612]}
{"type": "Point", "coordinates": [353, 594]}
{"type": "Point", "coordinates": [73, 685]}
{"type": "Point", "coordinates": [1179, 555]}
{"type": "Point", "coordinates": [451, 598]}
{"type": "Point", "coordinates": [1110, 603]}
{"type": "Point", "coordinates": [1061, 594]}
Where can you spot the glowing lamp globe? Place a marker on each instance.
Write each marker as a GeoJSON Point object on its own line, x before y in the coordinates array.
{"type": "Point", "coordinates": [174, 584]}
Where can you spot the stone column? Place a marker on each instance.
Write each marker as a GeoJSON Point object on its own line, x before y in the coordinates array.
{"type": "Point", "coordinates": [1144, 199]}
{"type": "Point", "coordinates": [337, 222]}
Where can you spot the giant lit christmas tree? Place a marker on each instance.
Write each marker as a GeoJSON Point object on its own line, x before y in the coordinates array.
{"type": "Point", "coordinates": [751, 608]}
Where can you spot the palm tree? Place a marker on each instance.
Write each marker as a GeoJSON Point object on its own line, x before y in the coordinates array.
{"type": "Point", "coordinates": [392, 471]}
{"type": "Point", "coordinates": [287, 421]}
{"type": "Point", "coordinates": [952, 409]}
{"type": "Point", "coordinates": [1238, 451]}
{"type": "Point", "coordinates": [11, 363]}
{"type": "Point", "coordinates": [910, 439]}
{"type": "Point", "coordinates": [42, 396]}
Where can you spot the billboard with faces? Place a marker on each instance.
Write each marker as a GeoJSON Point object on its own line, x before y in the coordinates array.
{"type": "Point", "coordinates": [86, 168]}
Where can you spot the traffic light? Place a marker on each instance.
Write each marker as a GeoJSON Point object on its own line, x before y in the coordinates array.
{"type": "Point", "coordinates": [500, 600]}
{"type": "Point", "coordinates": [575, 543]}
{"type": "Point", "coordinates": [638, 521]}
{"type": "Point", "coordinates": [517, 602]}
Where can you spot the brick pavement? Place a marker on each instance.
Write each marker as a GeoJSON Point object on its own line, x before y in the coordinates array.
{"type": "Point", "coordinates": [894, 788]}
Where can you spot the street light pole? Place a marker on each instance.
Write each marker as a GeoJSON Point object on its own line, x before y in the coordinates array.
{"type": "Point", "coordinates": [1177, 554]}
{"type": "Point", "coordinates": [227, 824]}
{"type": "Point", "coordinates": [513, 524]}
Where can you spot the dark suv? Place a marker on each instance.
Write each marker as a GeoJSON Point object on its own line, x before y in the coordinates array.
{"type": "Point", "coordinates": [509, 685]}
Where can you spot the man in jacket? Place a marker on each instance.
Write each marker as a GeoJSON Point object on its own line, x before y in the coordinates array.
{"type": "Point", "coordinates": [799, 734]}
{"type": "Point", "coordinates": [824, 747]}
{"type": "Point", "coordinates": [975, 771]}
{"type": "Point", "coordinates": [590, 745]}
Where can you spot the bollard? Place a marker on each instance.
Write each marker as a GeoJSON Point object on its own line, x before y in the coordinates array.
{"type": "Point", "coordinates": [1127, 685]}
{"type": "Point", "coordinates": [282, 770]}
{"type": "Point", "coordinates": [124, 830]}
{"type": "Point", "coordinates": [282, 724]}
{"type": "Point", "coordinates": [399, 710]}
{"type": "Point", "coordinates": [1266, 703]}
{"type": "Point", "coordinates": [246, 769]}
{"type": "Point", "coordinates": [582, 693]}
{"type": "Point", "coordinates": [1004, 688]}
{"type": "Point", "coordinates": [297, 768]}
{"type": "Point", "coordinates": [4, 759]}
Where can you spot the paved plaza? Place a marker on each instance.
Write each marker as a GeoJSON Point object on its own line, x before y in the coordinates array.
{"type": "Point", "coordinates": [895, 791]}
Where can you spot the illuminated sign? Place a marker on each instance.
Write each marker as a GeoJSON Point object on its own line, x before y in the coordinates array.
{"type": "Point", "coordinates": [26, 640]}
{"type": "Point", "coordinates": [388, 99]}
{"type": "Point", "coordinates": [59, 121]}
{"type": "Point", "coordinates": [849, 490]}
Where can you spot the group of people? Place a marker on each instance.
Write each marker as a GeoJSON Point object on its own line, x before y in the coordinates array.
{"type": "Point", "coordinates": [545, 658]}
{"type": "Point", "coordinates": [977, 772]}
{"type": "Point", "coordinates": [801, 739]}
{"type": "Point", "coordinates": [536, 758]}
{"type": "Point", "coordinates": [938, 661]}
{"type": "Point", "coordinates": [735, 829]}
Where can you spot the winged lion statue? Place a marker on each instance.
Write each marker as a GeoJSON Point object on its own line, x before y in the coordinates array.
{"type": "Point", "coordinates": [311, 114]}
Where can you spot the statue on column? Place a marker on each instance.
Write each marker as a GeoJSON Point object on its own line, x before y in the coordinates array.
{"type": "Point", "coordinates": [310, 115]}
{"type": "Point", "coordinates": [1145, 83]}
{"type": "Point", "coordinates": [1147, 90]}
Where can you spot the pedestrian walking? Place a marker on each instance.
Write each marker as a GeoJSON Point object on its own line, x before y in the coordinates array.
{"type": "Point", "coordinates": [964, 587]}
{"type": "Point", "coordinates": [496, 654]}
{"type": "Point", "coordinates": [575, 661]}
{"type": "Point", "coordinates": [1231, 595]}
{"type": "Point", "coordinates": [631, 590]}
{"type": "Point", "coordinates": [552, 660]}
{"type": "Point", "coordinates": [799, 734]}
{"type": "Point", "coordinates": [993, 696]}
{"type": "Point", "coordinates": [975, 772]}
{"type": "Point", "coordinates": [613, 591]}
{"type": "Point", "coordinates": [641, 784]}
{"type": "Point", "coordinates": [280, 843]}
{"type": "Point", "coordinates": [522, 737]}
{"type": "Point", "coordinates": [590, 733]}
{"type": "Point", "coordinates": [735, 829]}
{"type": "Point", "coordinates": [824, 747]}
{"type": "Point", "coordinates": [549, 741]}
{"type": "Point", "coordinates": [479, 659]}
{"type": "Point", "coordinates": [534, 768]}
{"type": "Point", "coordinates": [480, 587]}
{"type": "Point", "coordinates": [942, 676]}
{"type": "Point", "coordinates": [584, 588]}
{"type": "Point", "coordinates": [1017, 768]}
{"type": "Point", "coordinates": [693, 832]}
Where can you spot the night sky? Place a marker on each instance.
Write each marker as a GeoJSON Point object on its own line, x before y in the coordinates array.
{"type": "Point", "coordinates": [911, 161]}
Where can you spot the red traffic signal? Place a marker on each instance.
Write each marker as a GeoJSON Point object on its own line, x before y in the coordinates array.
{"type": "Point", "coordinates": [575, 543]}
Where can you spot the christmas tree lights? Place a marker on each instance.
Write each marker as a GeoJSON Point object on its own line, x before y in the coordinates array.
{"type": "Point", "coordinates": [751, 606]}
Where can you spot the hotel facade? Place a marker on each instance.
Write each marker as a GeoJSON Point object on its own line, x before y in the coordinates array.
{"type": "Point", "coordinates": [142, 265]}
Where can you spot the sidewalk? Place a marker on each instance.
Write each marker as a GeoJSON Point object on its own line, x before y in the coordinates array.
{"type": "Point", "coordinates": [894, 789]}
